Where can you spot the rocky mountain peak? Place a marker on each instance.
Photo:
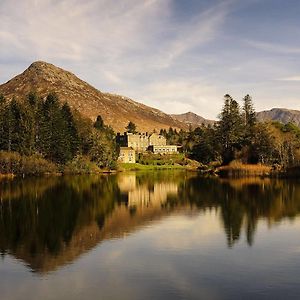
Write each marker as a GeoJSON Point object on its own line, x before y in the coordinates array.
{"type": "Point", "coordinates": [117, 111]}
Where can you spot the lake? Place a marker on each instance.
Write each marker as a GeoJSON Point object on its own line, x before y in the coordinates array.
{"type": "Point", "coordinates": [152, 235]}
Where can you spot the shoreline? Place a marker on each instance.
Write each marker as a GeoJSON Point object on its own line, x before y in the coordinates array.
{"type": "Point", "coordinates": [234, 171]}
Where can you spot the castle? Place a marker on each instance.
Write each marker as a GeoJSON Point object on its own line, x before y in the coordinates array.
{"type": "Point", "coordinates": [142, 142]}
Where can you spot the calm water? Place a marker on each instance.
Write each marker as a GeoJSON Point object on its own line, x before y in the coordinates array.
{"type": "Point", "coordinates": [164, 235]}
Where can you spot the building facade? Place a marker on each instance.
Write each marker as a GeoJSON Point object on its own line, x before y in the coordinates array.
{"type": "Point", "coordinates": [139, 142]}
{"type": "Point", "coordinates": [142, 142]}
{"type": "Point", "coordinates": [166, 149]}
{"type": "Point", "coordinates": [157, 140]}
{"type": "Point", "coordinates": [127, 155]}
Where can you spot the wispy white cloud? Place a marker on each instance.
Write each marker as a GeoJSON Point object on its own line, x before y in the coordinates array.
{"type": "Point", "coordinates": [172, 95]}
{"type": "Point", "coordinates": [272, 47]}
{"type": "Point", "coordinates": [149, 50]}
{"type": "Point", "coordinates": [200, 30]}
{"type": "Point", "coordinates": [291, 78]}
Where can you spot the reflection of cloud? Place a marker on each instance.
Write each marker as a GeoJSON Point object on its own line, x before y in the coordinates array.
{"type": "Point", "coordinates": [182, 232]}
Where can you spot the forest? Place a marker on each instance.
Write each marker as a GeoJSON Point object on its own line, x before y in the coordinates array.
{"type": "Point", "coordinates": [238, 136]}
{"type": "Point", "coordinates": [39, 135]}
{"type": "Point", "coordinates": [46, 136]}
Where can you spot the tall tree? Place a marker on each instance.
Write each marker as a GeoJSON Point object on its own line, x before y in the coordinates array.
{"type": "Point", "coordinates": [99, 124]}
{"type": "Point", "coordinates": [249, 113]}
{"type": "Point", "coordinates": [2, 122]}
{"type": "Point", "coordinates": [54, 140]}
{"type": "Point", "coordinates": [71, 130]}
{"type": "Point", "coordinates": [249, 118]}
{"type": "Point", "coordinates": [131, 127]}
{"type": "Point", "coordinates": [230, 128]}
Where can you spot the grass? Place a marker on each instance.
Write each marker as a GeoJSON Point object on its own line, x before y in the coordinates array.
{"type": "Point", "coordinates": [237, 169]}
{"type": "Point", "coordinates": [140, 167]}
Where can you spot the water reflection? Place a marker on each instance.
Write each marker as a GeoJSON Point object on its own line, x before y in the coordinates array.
{"type": "Point", "coordinates": [50, 222]}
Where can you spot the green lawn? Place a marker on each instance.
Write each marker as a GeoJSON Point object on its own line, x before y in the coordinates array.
{"type": "Point", "coordinates": [137, 166]}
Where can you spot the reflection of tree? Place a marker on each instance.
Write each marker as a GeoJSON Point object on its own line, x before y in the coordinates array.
{"type": "Point", "coordinates": [49, 221]}
{"type": "Point", "coordinates": [244, 203]}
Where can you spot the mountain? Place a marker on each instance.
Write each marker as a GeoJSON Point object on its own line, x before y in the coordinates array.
{"type": "Point", "coordinates": [115, 110]}
{"type": "Point", "coordinates": [192, 119]}
{"type": "Point", "coordinates": [280, 114]}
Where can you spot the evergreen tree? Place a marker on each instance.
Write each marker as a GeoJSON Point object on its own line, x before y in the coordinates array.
{"type": "Point", "coordinates": [203, 145]}
{"type": "Point", "coordinates": [249, 113]}
{"type": "Point", "coordinates": [71, 130]}
{"type": "Point", "coordinates": [230, 129]}
{"type": "Point", "coordinates": [131, 127]}
{"type": "Point", "coordinates": [249, 117]}
{"type": "Point", "coordinates": [99, 124]}
{"type": "Point", "coordinates": [22, 128]}
{"type": "Point", "coordinates": [54, 133]}
{"type": "Point", "coordinates": [2, 122]}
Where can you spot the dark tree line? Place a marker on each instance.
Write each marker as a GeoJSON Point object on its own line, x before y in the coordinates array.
{"type": "Point", "coordinates": [51, 129]}
{"type": "Point", "coordinates": [239, 136]}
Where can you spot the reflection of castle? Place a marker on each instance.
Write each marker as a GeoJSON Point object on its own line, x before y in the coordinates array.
{"type": "Point", "coordinates": [59, 220]}
{"type": "Point", "coordinates": [142, 195]}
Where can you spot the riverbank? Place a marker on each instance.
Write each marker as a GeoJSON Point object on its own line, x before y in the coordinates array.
{"type": "Point", "coordinates": [236, 170]}
{"type": "Point", "coordinates": [239, 170]}
{"type": "Point", "coordinates": [13, 164]}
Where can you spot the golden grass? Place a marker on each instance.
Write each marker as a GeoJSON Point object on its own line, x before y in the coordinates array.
{"type": "Point", "coordinates": [238, 169]}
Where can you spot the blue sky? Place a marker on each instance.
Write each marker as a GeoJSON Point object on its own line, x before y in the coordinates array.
{"type": "Point", "coordinates": [176, 55]}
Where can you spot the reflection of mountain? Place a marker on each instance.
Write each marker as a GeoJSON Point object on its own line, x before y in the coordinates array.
{"type": "Point", "coordinates": [50, 222]}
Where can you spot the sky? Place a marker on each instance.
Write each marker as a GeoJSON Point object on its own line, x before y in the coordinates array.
{"type": "Point", "coordinates": [175, 55]}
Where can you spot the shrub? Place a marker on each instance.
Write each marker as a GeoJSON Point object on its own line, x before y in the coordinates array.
{"type": "Point", "coordinates": [14, 163]}
{"type": "Point", "coordinates": [81, 165]}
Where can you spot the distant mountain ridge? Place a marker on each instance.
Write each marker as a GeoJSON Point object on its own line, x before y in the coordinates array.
{"type": "Point", "coordinates": [117, 111]}
{"type": "Point", "coordinates": [192, 119]}
{"type": "Point", "coordinates": [282, 115]}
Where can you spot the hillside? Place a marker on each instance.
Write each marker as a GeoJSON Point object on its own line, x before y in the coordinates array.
{"type": "Point", "coordinates": [192, 119]}
{"type": "Point", "coordinates": [280, 114]}
{"type": "Point", "coordinates": [116, 110]}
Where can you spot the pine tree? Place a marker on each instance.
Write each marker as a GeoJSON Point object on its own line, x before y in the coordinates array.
{"type": "Point", "coordinates": [249, 117]}
{"type": "Point", "coordinates": [249, 113]}
{"type": "Point", "coordinates": [99, 124]}
{"type": "Point", "coordinates": [54, 132]}
{"type": "Point", "coordinates": [230, 128]}
{"type": "Point", "coordinates": [2, 122]}
{"type": "Point", "coordinates": [71, 130]}
{"type": "Point", "coordinates": [131, 127]}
